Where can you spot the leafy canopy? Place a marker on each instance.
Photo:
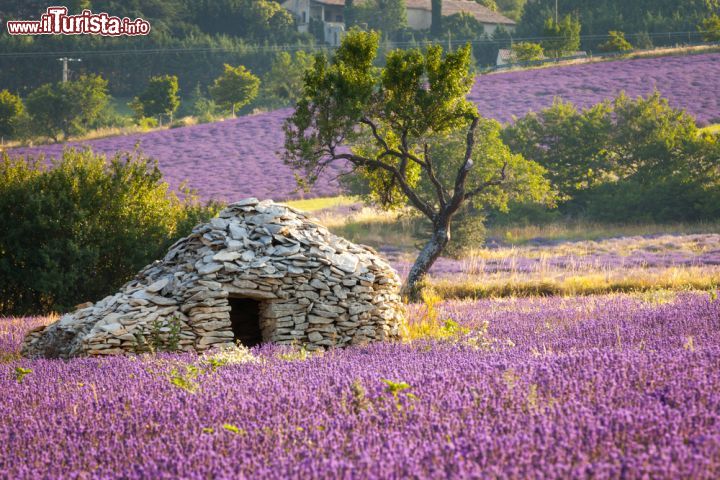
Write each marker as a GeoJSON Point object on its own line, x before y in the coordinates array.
{"type": "Point", "coordinates": [78, 229]}
{"type": "Point", "coordinates": [561, 37]}
{"type": "Point", "coordinates": [159, 98]}
{"type": "Point", "coordinates": [409, 133]}
{"type": "Point", "coordinates": [235, 88]}
{"type": "Point", "coordinates": [68, 108]}
{"type": "Point", "coordinates": [11, 109]}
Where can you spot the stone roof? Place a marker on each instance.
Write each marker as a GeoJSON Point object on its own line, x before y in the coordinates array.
{"type": "Point", "coordinates": [313, 288]}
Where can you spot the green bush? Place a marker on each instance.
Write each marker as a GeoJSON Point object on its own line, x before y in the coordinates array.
{"type": "Point", "coordinates": [626, 159]}
{"type": "Point", "coordinates": [616, 43]}
{"type": "Point", "coordinates": [78, 229]}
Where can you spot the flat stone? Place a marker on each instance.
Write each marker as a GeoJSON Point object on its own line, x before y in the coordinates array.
{"type": "Point", "coordinates": [157, 286]}
{"type": "Point", "coordinates": [226, 256]}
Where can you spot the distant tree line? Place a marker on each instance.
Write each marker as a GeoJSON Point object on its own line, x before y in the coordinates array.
{"type": "Point", "coordinates": [60, 110]}
{"type": "Point", "coordinates": [626, 159]}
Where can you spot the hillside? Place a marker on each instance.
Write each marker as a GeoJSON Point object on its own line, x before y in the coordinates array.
{"type": "Point", "coordinates": [239, 158]}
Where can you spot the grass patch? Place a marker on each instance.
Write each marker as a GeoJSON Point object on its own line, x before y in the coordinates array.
{"type": "Point", "coordinates": [315, 204]}
{"type": "Point", "coordinates": [495, 286]}
{"type": "Point", "coordinates": [578, 231]}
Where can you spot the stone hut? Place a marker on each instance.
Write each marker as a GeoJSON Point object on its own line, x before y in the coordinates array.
{"type": "Point", "coordinates": [259, 272]}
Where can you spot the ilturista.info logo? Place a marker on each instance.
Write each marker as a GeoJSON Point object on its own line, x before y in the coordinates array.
{"type": "Point", "coordinates": [56, 21]}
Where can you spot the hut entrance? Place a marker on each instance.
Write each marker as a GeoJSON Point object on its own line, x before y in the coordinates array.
{"type": "Point", "coordinates": [245, 320]}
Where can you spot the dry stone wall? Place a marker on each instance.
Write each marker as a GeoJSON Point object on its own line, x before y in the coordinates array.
{"type": "Point", "coordinates": [313, 289]}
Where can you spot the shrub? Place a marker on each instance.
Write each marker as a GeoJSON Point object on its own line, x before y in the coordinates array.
{"type": "Point", "coordinates": [11, 110]}
{"type": "Point", "coordinates": [710, 28]}
{"type": "Point", "coordinates": [159, 99]}
{"type": "Point", "coordinates": [616, 43]}
{"type": "Point", "coordinates": [527, 52]}
{"type": "Point", "coordinates": [635, 159]}
{"type": "Point", "coordinates": [68, 108]}
{"type": "Point", "coordinates": [77, 230]}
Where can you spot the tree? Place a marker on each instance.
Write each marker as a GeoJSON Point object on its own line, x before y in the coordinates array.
{"type": "Point", "coordinates": [283, 82]}
{"type": "Point", "coordinates": [527, 52]}
{"type": "Point", "coordinates": [616, 43]}
{"type": "Point", "coordinates": [636, 159]}
{"type": "Point", "coordinates": [235, 88]}
{"type": "Point", "coordinates": [462, 26]}
{"type": "Point", "coordinates": [710, 28]}
{"type": "Point", "coordinates": [68, 108]}
{"type": "Point", "coordinates": [409, 132]}
{"type": "Point", "coordinates": [511, 8]}
{"type": "Point", "coordinates": [159, 98]}
{"type": "Point", "coordinates": [392, 19]}
{"type": "Point", "coordinates": [436, 13]}
{"type": "Point", "coordinates": [254, 20]}
{"type": "Point", "coordinates": [561, 37]}
{"type": "Point", "coordinates": [11, 109]}
{"type": "Point", "coordinates": [349, 14]}
{"type": "Point", "coordinates": [79, 229]}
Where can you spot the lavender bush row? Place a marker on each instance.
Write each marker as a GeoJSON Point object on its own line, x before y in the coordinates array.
{"type": "Point", "coordinates": [239, 158]}
{"type": "Point", "coordinates": [608, 387]}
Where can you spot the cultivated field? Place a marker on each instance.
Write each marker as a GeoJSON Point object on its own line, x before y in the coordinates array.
{"type": "Point", "coordinates": [620, 386]}
{"type": "Point", "coordinates": [239, 158]}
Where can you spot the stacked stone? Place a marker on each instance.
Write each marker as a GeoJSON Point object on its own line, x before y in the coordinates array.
{"type": "Point", "coordinates": [315, 289]}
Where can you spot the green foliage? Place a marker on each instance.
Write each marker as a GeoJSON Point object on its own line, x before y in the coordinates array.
{"type": "Point", "coordinates": [234, 429]}
{"type": "Point", "coordinates": [562, 37]}
{"type": "Point", "coordinates": [187, 380]}
{"type": "Point", "coordinates": [511, 8]}
{"type": "Point", "coordinates": [21, 373]}
{"type": "Point", "coordinates": [201, 107]}
{"type": "Point", "coordinates": [463, 26]}
{"type": "Point", "coordinates": [164, 336]}
{"type": "Point", "coordinates": [616, 43]}
{"type": "Point", "coordinates": [283, 83]}
{"type": "Point", "coordinates": [385, 16]}
{"type": "Point", "coordinates": [256, 20]}
{"type": "Point", "coordinates": [527, 52]}
{"type": "Point", "coordinates": [413, 136]}
{"type": "Point", "coordinates": [159, 99]}
{"type": "Point", "coordinates": [436, 28]}
{"type": "Point", "coordinates": [235, 88]}
{"type": "Point", "coordinates": [67, 108]}
{"type": "Point", "coordinates": [600, 16]}
{"type": "Point", "coordinates": [632, 159]}
{"type": "Point", "coordinates": [710, 28]}
{"type": "Point", "coordinates": [11, 111]}
{"type": "Point", "coordinates": [79, 229]}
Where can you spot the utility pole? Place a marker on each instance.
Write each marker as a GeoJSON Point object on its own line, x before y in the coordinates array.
{"type": "Point", "coordinates": [556, 12]}
{"type": "Point", "coordinates": [65, 61]}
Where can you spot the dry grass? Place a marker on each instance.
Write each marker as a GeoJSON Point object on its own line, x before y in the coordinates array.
{"type": "Point", "coordinates": [577, 231]}
{"type": "Point", "coordinates": [590, 283]}
{"type": "Point", "coordinates": [324, 203]}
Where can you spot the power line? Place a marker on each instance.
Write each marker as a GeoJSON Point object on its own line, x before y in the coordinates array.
{"type": "Point", "coordinates": [296, 47]}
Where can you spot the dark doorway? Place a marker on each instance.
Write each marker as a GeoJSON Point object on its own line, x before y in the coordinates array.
{"type": "Point", "coordinates": [245, 319]}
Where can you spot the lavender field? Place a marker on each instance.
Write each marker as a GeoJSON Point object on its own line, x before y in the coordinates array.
{"type": "Point", "coordinates": [593, 387]}
{"type": "Point", "coordinates": [239, 158]}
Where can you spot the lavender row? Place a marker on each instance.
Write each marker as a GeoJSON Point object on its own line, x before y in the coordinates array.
{"type": "Point", "coordinates": [240, 158]}
{"type": "Point", "coordinates": [609, 387]}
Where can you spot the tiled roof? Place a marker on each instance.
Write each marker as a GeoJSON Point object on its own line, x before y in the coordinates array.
{"type": "Point", "coordinates": [449, 7]}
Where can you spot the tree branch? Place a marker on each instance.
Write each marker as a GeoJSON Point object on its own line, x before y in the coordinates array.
{"type": "Point", "coordinates": [459, 191]}
{"type": "Point", "coordinates": [441, 193]}
{"type": "Point", "coordinates": [421, 205]}
{"type": "Point", "coordinates": [489, 183]}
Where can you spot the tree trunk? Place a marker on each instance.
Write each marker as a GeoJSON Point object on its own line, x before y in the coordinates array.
{"type": "Point", "coordinates": [436, 18]}
{"type": "Point", "coordinates": [430, 252]}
